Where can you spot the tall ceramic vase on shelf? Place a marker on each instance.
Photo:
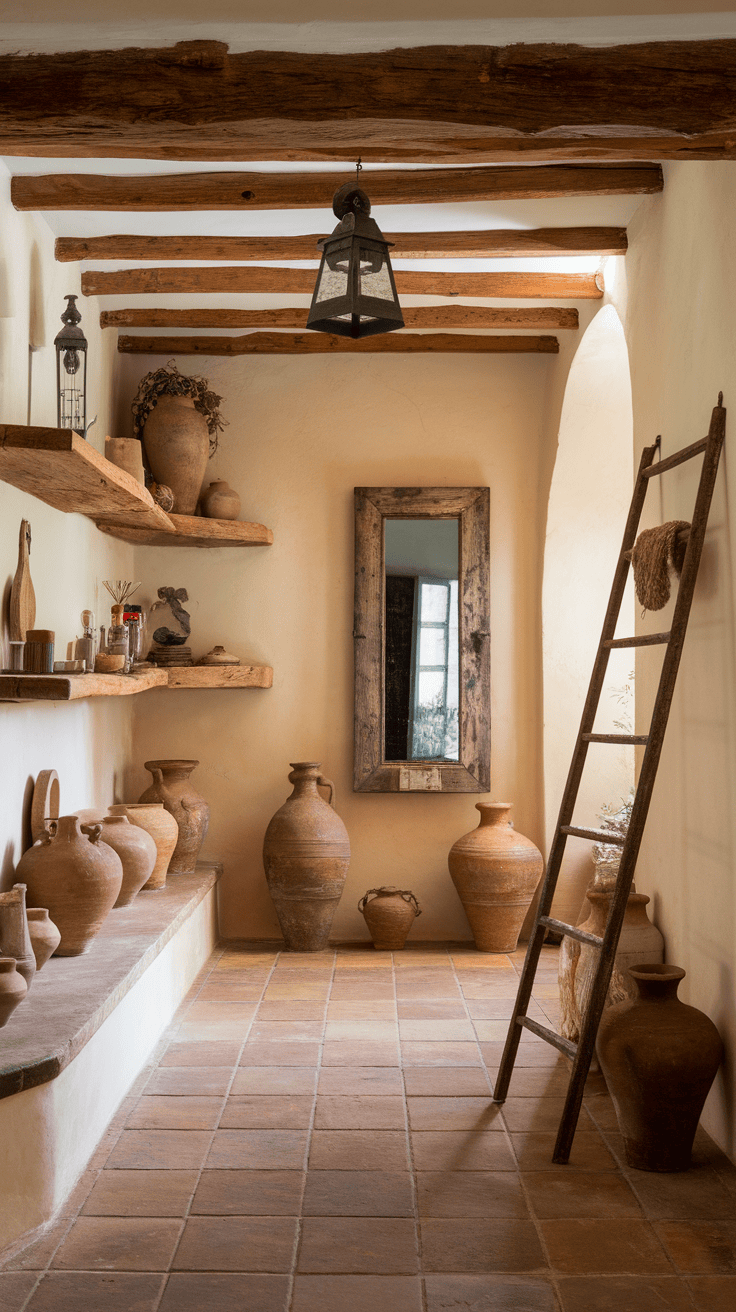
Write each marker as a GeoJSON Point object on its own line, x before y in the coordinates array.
{"type": "Point", "coordinates": [306, 854]}
{"type": "Point", "coordinates": [137, 852]}
{"type": "Point", "coordinates": [177, 444]}
{"type": "Point", "coordinates": [13, 989]}
{"type": "Point", "coordinates": [192, 814]}
{"type": "Point", "coordinates": [76, 877]}
{"type": "Point", "coordinates": [15, 939]}
{"type": "Point", "coordinates": [495, 871]}
{"type": "Point", "coordinates": [162, 828]}
{"type": "Point", "coordinates": [45, 937]}
{"type": "Point", "coordinates": [659, 1058]}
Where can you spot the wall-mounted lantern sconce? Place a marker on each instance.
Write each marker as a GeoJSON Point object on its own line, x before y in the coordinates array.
{"type": "Point", "coordinates": [71, 371]}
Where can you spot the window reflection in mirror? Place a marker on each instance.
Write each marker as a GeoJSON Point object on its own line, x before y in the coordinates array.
{"type": "Point", "coordinates": [422, 680]}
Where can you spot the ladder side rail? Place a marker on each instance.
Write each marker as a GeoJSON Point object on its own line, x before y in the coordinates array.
{"type": "Point", "coordinates": [645, 785]}
{"type": "Point", "coordinates": [569, 796]}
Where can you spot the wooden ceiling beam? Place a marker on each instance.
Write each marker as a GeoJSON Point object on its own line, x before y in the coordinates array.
{"type": "Point", "coordinates": [493, 244]}
{"type": "Point", "coordinates": [324, 344]}
{"type": "Point", "coordinates": [165, 192]}
{"type": "Point", "coordinates": [415, 316]}
{"type": "Point", "coordinates": [258, 278]}
{"type": "Point", "coordinates": [196, 100]}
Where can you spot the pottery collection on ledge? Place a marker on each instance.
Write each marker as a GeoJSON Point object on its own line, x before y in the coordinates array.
{"type": "Point", "coordinates": [76, 877]}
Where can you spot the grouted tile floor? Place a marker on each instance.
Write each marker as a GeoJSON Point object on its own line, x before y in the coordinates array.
{"type": "Point", "coordinates": [316, 1134]}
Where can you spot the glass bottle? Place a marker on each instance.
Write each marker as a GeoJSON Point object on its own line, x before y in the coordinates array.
{"type": "Point", "coordinates": [117, 636]}
{"type": "Point", "coordinates": [86, 647]}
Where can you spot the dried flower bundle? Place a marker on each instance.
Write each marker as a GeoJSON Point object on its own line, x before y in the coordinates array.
{"type": "Point", "coordinates": [167, 381]}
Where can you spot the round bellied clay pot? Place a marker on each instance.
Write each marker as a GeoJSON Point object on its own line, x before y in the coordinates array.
{"type": "Point", "coordinates": [162, 828]}
{"type": "Point", "coordinates": [192, 814]}
{"type": "Point", "coordinates": [136, 850]}
{"type": "Point", "coordinates": [496, 872]}
{"type": "Point", "coordinates": [389, 914]}
{"type": "Point", "coordinates": [13, 989]}
{"type": "Point", "coordinates": [77, 877]}
{"type": "Point", "coordinates": [659, 1058]}
{"type": "Point", "coordinates": [45, 937]}
{"type": "Point", "coordinates": [220, 501]}
{"type": "Point", "coordinates": [15, 938]}
{"type": "Point", "coordinates": [177, 445]}
{"type": "Point", "coordinates": [306, 854]}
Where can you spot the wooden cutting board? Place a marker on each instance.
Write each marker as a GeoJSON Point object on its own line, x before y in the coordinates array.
{"type": "Point", "coordinates": [22, 596]}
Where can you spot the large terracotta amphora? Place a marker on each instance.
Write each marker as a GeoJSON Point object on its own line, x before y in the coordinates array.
{"type": "Point", "coordinates": [76, 877]}
{"type": "Point", "coordinates": [496, 872]}
{"type": "Point", "coordinates": [192, 814]}
{"type": "Point", "coordinates": [306, 854]}
{"type": "Point", "coordinates": [659, 1058]}
{"type": "Point", "coordinates": [177, 446]}
{"type": "Point", "coordinates": [163, 829]}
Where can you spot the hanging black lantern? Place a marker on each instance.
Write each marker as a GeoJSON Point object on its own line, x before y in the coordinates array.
{"type": "Point", "coordinates": [71, 371]}
{"type": "Point", "coordinates": [355, 295]}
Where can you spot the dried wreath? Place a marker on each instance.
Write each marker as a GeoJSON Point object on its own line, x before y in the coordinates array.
{"type": "Point", "coordinates": [167, 381]}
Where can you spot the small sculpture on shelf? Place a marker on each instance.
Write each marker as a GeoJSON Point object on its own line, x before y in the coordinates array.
{"type": "Point", "coordinates": [169, 648]}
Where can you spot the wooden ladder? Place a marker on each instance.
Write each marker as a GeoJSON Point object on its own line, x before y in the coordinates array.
{"type": "Point", "coordinates": [581, 1053]}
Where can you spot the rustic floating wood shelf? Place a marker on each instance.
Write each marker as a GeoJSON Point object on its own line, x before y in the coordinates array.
{"type": "Point", "coordinates": [194, 531]}
{"type": "Point", "coordinates": [74, 687]}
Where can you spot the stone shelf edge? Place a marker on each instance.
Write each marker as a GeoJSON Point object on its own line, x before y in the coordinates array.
{"type": "Point", "coordinates": [72, 996]}
{"type": "Point", "coordinates": [74, 687]}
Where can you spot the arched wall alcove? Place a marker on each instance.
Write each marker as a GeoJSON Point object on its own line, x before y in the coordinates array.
{"type": "Point", "coordinates": [588, 502]}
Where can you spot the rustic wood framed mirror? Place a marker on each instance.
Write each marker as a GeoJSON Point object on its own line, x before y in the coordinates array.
{"type": "Point", "coordinates": [422, 640]}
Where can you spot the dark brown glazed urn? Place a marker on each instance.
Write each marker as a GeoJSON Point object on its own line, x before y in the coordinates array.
{"type": "Point", "coordinates": [659, 1058]}
{"type": "Point", "coordinates": [306, 854]}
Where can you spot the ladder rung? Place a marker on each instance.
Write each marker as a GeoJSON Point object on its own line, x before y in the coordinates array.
{"type": "Point", "coordinates": [549, 1036]}
{"type": "Point", "coordinates": [595, 835]}
{"type": "Point", "coordinates": [678, 458]}
{"type": "Point", "coordinates": [635, 739]}
{"type": "Point", "coordinates": [571, 931]}
{"type": "Point", "coordinates": [646, 640]}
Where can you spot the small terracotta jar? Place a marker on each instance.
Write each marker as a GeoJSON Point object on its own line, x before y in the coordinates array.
{"type": "Point", "coordinates": [45, 937]}
{"type": "Point", "coordinates": [220, 501]}
{"type": "Point", "coordinates": [76, 877]}
{"type": "Point", "coordinates": [659, 1058]}
{"type": "Point", "coordinates": [15, 939]}
{"type": "Point", "coordinates": [495, 871]}
{"type": "Point", "coordinates": [136, 850]}
{"type": "Point", "coordinates": [13, 989]}
{"type": "Point", "coordinates": [162, 828]}
{"type": "Point", "coordinates": [192, 814]}
{"type": "Point", "coordinates": [389, 914]}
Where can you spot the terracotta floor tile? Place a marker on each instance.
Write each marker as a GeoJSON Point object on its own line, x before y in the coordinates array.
{"type": "Point", "coordinates": [203, 1053]}
{"type": "Point", "coordinates": [344, 1053]}
{"type": "Point", "coordinates": [140, 1193]}
{"type": "Point", "coordinates": [536, 1082]}
{"type": "Point", "coordinates": [67, 1291]}
{"type": "Point", "coordinates": [433, 1031]}
{"type": "Point", "coordinates": [492, 1031]}
{"type": "Point", "coordinates": [221, 1292]}
{"type": "Point", "coordinates": [358, 1293]}
{"type": "Point", "coordinates": [454, 1114]}
{"type": "Point", "coordinates": [379, 1009]}
{"type": "Point", "coordinates": [149, 1150]}
{"type": "Point", "coordinates": [407, 989]}
{"type": "Point", "coordinates": [190, 1080]}
{"type": "Point", "coordinates": [300, 990]}
{"type": "Point", "coordinates": [248, 1193]}
{"type": "Point", "coordinates": [37, 1255]}
{"type": "Point", "coordinates": [489, 1293]}
{"type": "Point", "coordinates": [280, 1054]}
{"type": "Point", "coordinates": [471, 1193]}
{"type": "Point", "coordinates": [358, 1193]}
{"type": "Point", "coordinates": [434, 1009]}
{"type": "Point", "coordinates": [473, 1244]}
{"type": "Point", "coordinates": [695, 1195]}
{"type": "Point", "coordinates": [534, 1055]}
{"type": "Point", "coordinates": [284, 1010]}
{"type": "Point", "coordinates": [440, 1054]}
{"type": "Point", "coordinates": [217, 1020]}
{"type": "Point", "coordinates": [455, 1150]}
{"type": "Point", "coordinates": [366, 1112]}
{"type": "Point", "coordinates": [275, 1079]}
{"type": "Point", "coordinates": [227, 992]}
{"type": "Point", "coordinates": [713, 1293]}
{"type": "Point", "coordinates": [498, 1009]}
{"type": "Point", "coordinates": [114, 1243]}
{"type": "Point", "coordinates": [606, 1247]}
{"type": "Point", "coordinates": [254, 1150]}
{"type": "Point", "coordinates": [383, 1081]}
{"type": "Point", "coordinates": [569, 1194]}
{"type": "Point", "coordinates": [347, 991]}
{"type": "Point", "coordinates": [589, 1152]}
{"type": "Point", "coordinates": [700, 1247]}
{"type": "Point", "coordinates": [174, 1112]}
{"type": "Point", "coordinates": [262, 1112]}
{"type": "Point", "coordinates": [237, 1243]}
{"type": "Point", "coordinates": [358, 1150]}
{"type": "Point", "coordinates": [359, 1245]}
{"type": "Point", "coordinates": [439, 1081]}
{"type": "Point", "coordinates": [362, 1031]}
{"type": "Point", "coordinates": [15, 1286]}
{"type": "Point", "coordinates": [286, 1031]}
{"type": "Point", "coordinates": [625, 1294]}
{"type": "Point", "coordinates": [540, 1114]}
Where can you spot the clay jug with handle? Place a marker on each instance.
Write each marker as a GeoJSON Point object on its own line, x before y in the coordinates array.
{"type": "Point", "coordinates": [76, 877]}
{"type": "Point", "coordinates": [306, 854]}
{"type": "Point", "coordinates": [192, 814]}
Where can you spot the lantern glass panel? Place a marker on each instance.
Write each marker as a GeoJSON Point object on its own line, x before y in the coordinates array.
{"type": "Point", "coordinates": [374, 275]}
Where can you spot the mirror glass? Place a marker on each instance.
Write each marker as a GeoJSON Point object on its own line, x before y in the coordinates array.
{"type": "Point", "coordinates": [422, 655]}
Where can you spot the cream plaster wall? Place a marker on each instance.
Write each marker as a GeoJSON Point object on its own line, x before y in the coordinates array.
{"type": "Point", "coordinates": [88, 741]}
{"type": "Point", "coordinates": [303, 432]}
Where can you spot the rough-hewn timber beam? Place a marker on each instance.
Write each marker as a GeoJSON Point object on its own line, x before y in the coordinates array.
{"type": "Point", "coordinates": [415, 316]}
{"type": "Point", "coordinates": [322, 343]}
{"type": "Point", "coordinates": [278, 191]}
{"type": "Point", "coordinates": [257, 278]}
{"type": "Point", "coordinates": [407, 245]}
{"type": "Point", "coordinates": [195, 100]}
